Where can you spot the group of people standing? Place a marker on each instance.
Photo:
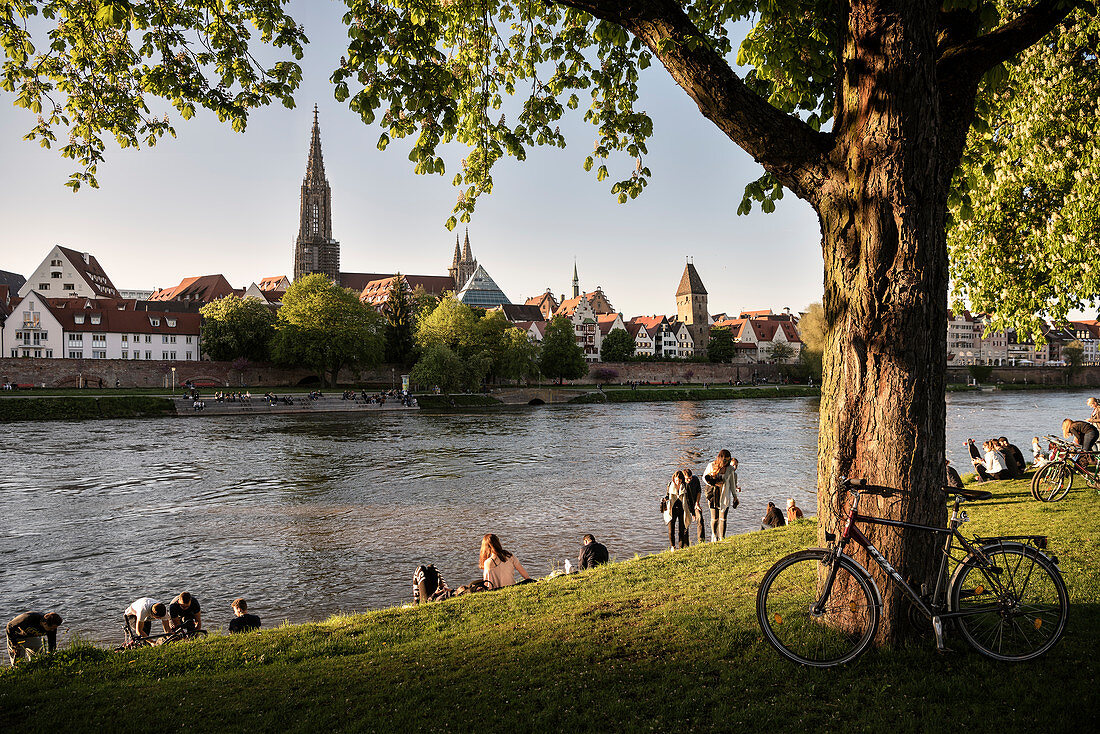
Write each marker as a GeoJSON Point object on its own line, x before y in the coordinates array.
{"type": "Point", "coordinates": [683, 503]}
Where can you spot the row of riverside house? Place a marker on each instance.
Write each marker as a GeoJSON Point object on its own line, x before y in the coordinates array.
{"type": "Point", "coordinates": [970, 342]}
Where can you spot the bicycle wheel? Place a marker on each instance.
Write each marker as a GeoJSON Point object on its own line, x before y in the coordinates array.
{"type": "Point", "coordinates": [839, 632]}
{"type": "Point", "coordinates": [1015, 606]}
{"type": "Point", "coordinates": [1052, 482]}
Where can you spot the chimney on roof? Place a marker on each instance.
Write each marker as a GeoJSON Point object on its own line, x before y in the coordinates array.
{"type": "Point", "coordinates": [86, 257]}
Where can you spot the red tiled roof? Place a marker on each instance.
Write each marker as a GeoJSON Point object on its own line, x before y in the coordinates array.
{"type": "Point", "coordinates": [271, 283]}
{"type": "Point", "coordinates": [375, 292]}
{"type": "Point", "coordinates": [756, 314]}
{"type": "Point", "coordinates": [569, 306]}
{"type": "Point", "coordinates": [545, 297]}
{"type": "Point", "coordinates": [113, 320]}
{"type": "Point", "coordinates": [790, 332]}
{"type": "Point", "coordinates": [606, 321]}
{"type": "Point", "coordinates": [204, 288]}
{"type": "Point", "coordinates": [651, 323]}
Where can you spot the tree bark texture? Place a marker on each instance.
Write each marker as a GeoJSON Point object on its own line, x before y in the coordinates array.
{"type": "Point", "coordinates": [879, 182]}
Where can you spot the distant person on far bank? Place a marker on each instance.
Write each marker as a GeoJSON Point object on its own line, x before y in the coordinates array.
{"type": "Point", "coordinates": [242, 621]}
{"type": "Point", "coordinates": [773, 518]}
{"type": "Point", "coordinates": [695, 503]}
{"type": "Point", "coordinates": [1082, 433]}
{"type": "Point", "coordinates": [593, 553]}
{"type": "Point", "coordinates": [794, 512]}
{"type": "Point", "coordinates": [25, 633]}
{"type": "Point", "coordinates": [499, 565]}
{"type": "Point", "coordinates": [721, 478]}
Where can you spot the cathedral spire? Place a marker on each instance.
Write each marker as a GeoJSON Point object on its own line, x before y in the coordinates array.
{"type": "Point", "coordinates": [576, 282]}
{"type": "Point", "coordinates": [315, 166]}
{"type": "Point", "coordinates": [466, 254]}
{"type": "Point", "coordinates": [458, 255]}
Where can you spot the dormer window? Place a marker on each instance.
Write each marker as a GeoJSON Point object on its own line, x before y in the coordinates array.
{"type": "Point", "coordinates": [154, 322]}
{"type": "Point", "coordinates": [96, 318]}
{"type": "Point", "coordinates": [171, 322]}
{"type": "Point", "coordinates": [78, 318]}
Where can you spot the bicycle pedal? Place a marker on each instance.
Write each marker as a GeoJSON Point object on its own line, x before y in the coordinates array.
{"type": "Point", "coordinates": [937, 627]}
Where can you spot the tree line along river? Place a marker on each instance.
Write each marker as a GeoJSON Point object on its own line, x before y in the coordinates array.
{"type": "Point", "coordinates": [305, 516]}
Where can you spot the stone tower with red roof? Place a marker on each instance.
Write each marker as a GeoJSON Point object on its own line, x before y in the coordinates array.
{"type": "Point", "coordinates": [691, 308]}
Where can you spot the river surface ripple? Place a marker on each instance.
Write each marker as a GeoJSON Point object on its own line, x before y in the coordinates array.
{"type": "Point", "coordinates": [305, 516]}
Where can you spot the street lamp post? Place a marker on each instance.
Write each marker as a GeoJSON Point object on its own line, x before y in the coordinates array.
{"type": "Point", "coordinates": [173, 380]}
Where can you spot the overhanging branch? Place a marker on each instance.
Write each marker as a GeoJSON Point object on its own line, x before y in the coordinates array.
{"type": "Point", "coordinates": [784, 145]}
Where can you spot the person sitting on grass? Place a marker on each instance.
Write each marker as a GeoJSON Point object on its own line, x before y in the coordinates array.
{"type": "Point", "coordinates": [592, 553]}
{"type": "Point", "coordinates": [139, 616]}
{"type": "Point", "coordinates": [1037, 453]}
{"type": "Point", "coordinates": [794, 512]}
{"type": "Point", "coordinates": [185, 612]}
{"type": "Point", "coordinates": [499, 565]}
{"type": "Point", "coordinates": [242, 621]}
{"type": "Point", "coordinates": [993, 468]}
{"type": "Point", "coordinates": [25, 633]}
{"type": "Point", "coordinates": [953, 478]}
{"type": "Point", "coordinates": [773, 518]}
{"type": "Point", "coordinates": [1014, 458]}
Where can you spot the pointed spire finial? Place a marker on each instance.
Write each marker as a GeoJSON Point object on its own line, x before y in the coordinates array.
{"type": "Point", "coordinates": [467, 255]}
{"type": "Point", "coordinates": [315, 166]}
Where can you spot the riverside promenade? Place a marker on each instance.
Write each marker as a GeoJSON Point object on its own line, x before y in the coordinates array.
{"type": "Point", "coordinates": [185, 407]}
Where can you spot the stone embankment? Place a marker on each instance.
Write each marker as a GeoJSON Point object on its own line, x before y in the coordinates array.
{"type": "Point", "coordinates": [300, 404]}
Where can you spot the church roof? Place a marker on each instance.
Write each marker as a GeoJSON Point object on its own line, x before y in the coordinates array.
{"type": "Point", "coordinates": [691, 282]}
{"type": "Point", "coordinates": [481, 290]}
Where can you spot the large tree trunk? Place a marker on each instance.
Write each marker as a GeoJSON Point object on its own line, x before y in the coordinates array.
{"type": "Point", "coordinates": [882, 215]}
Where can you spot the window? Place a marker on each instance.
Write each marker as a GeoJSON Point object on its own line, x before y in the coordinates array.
{"type": "Point", "coordinates": [170, 322]}
{"type": "Point", "coordinates": [76, 338]}
{"type": "Point", "coordinates": [96, 318]}
{"type": "Point", "coordinates": [137, 354]}
{"type": "Point", "coordinates": [137, 337]}
{"type": "Point", "coordinates": [78, 318]}
{"type": "Point", "coordinates": [154, 322]}
{"type": "Point", "coordinates": [188, 355]}
{"type": "Point", "coordinates": [70, 287]}
{"type": "Point", "coordinates": [172, 355]}
{"type": "Point", "coordinates": [148, 340]}
{"type": "Point", "coordinates": [188, 340]}
{"type": "Point", "coordinates": [125, 354]}
{"type": "Point", "coordinates": [43, 286]}
{"type": "Point", "coordinates": [125, 339]}
{"type": "Point", "coordinates": [148, 355]}
{"type": "Point", "coordinates": [49, 354]}
{"type": "Point", "coordinates": [164, 355]}
{"type": "Point", "coordinates": [15, 353]}
{"type": "Point", "coordinates": [55, 263]}
{"type": "Point", "coordinates": [56, 274]}
{"type": "Point", "coordinates": [99, 355]}
{"type": "Point", "coordinates": [76, 355]}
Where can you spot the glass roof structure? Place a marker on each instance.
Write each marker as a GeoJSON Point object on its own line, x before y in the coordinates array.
{"type": "Point", "coordinates": [481, 290]}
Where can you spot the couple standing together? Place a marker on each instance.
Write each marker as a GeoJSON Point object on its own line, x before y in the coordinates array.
{"type": "Point", "coordinates": [683, 502]}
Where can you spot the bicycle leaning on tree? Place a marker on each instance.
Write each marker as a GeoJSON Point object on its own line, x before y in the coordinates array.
{"type": "Point", "coordinates": [1005, 595]}
{"type": "Point", "coordinates": [1065, 460]}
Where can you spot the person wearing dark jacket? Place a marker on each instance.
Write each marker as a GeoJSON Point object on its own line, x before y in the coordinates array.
{"type": "Point", "coordinates": [1082, 433]}
{"type": "Point", "coordinates": [1009, 449]}
{"type": "Point", "coordinates": [592, 553]}
{"type": "Point", "coordinates": [26, 631]}
{"type": "Point", "coordinates": [695, 502]}
{"type": "Point", "coordinates": [953, 478]}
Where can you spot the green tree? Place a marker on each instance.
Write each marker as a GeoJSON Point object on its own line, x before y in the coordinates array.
{"type": "Point", "coordinates": [861, 108]}
{"type": "Point", "coordinates": [811, 330]}
{"type": "Point", "coordinates": [423, 303]}
{"type": "Point", "coordinates": [721, 347]}
{"type": "Point", "coordinates": [89, 70]}
{"type": "Point", "coordinates": [781, 352]}
{"type": "Point", "coordinates": [398, 313]}
{"type": "Point", "coordinates": [1025, 218]}
{"type": "Point", "coordinates": [451, 324]}
{"type": "Point", "coordinates": [237, 327]}
{"type": "Point", "coordinates": [440, 367]}
{"type": "Point", "coordinates": [1074, 356]}
{"type": "Point", "coordinates": [560, 357]}
{"type": "Point", "coordinates": [520, 358]}
{"type": "Point", "coordinates": [618, 346]}
{"type": "Point", "coordinates": [326, 328]}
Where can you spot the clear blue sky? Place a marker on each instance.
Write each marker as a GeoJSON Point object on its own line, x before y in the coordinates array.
{"type": "Point", "coordinates": [216, 201]}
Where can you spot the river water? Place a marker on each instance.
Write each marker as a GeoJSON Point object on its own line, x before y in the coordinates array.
{"type": "Point", "coordinates": [305, 516]}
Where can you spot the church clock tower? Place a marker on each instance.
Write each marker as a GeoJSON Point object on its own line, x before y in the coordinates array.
{"type": "Point", "coordinates": [315, 251]}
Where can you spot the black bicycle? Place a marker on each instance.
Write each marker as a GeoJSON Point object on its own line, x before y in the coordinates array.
{"type": "Point", "coordinates": [133, 640]}
{"type": "Point", "coordinates": [1065, 460]}
{"type": "Point", "coordinates": [821, 607]}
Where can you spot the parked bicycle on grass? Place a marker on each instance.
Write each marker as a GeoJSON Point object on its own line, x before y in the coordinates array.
{"type": "Point", "coordinates": [820, 606]}
{"type": "Point", "coordinates": [133, 640]}
{"type": "Point", "coordinates": [1065, 460]}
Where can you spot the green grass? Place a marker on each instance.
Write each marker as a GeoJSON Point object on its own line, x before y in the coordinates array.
{"type": "Point", "coordinates": [85, 407]}
{"type": "Point", "coordinates": [666, 642]}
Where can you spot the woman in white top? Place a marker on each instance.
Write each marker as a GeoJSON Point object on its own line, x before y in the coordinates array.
{"type": "Point", "coordinates": [721, 478]}
{"type": "Point", "coordinates": [994, 466]}
{"type": "Point", "coordinates": [674, 511]}
{"type": "Point", "coordinates": [499, 565]}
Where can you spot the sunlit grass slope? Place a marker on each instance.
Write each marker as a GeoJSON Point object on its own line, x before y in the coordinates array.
{"type": "Point", "coordinates": [665, 643]}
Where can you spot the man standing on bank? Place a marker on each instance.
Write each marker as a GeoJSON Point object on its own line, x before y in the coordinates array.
{"type": "Point", "coordinates": [26, 631]}
{"type": "Point", "coordinates": [721, 476]}
{"type": "Point", "coordinates": [592, 553]}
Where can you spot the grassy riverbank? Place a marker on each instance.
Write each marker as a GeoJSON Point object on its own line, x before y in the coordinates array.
{"type": "Point", "coordinates": [83, 408]}
{"type": "Point", "coordinates": [666, 642]}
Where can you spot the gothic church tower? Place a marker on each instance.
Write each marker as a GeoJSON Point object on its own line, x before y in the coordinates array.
{"type": "Point", "coordinates": [463, 265]}
{"type": "Point", "coordinates": [691, 308]}
{"type": "Point", "coordinates": [315, 251]}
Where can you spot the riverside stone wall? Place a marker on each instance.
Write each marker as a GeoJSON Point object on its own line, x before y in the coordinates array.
{"type": "Point", "coordinates": [681, 372]}
{"type": "Point", "coordinates": [156, 373]}
{"type": "Point", "coordinates": [1085, 377]}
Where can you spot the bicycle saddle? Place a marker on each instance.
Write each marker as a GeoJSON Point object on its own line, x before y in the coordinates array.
{"type": "Point", "coordinates": [968, 494]}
